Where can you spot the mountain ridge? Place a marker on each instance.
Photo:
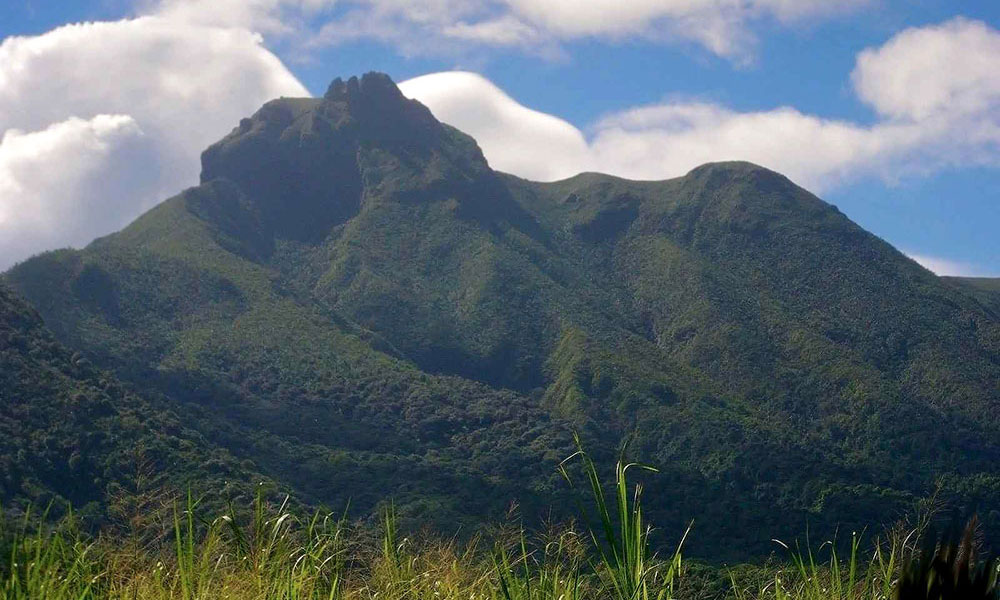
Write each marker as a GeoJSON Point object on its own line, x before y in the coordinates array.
{"type": "Point", "coordinates": [361, 301]}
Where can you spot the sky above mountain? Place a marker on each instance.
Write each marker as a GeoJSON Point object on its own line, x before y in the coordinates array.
{"type": "Point", "coordinates": [890, 110]}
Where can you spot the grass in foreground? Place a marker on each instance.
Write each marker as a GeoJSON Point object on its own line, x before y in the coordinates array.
{"type": "Point", "coordinates": [267, 552]}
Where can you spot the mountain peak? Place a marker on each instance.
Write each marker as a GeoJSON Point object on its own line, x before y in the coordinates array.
{"type": "Point", "coordinates": [738, 170]}
{"type": "Point", "coordinates": [375, 103]}
{"type": "Point", "coordinates": [304, 165]}
{"type": "Point", "coordinates": [372, 86]}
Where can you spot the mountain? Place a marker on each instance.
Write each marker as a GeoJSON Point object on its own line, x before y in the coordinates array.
{"type": "Point", "coordinates": [353, 304]}
{"type": "Point", "coordinates": [72, 434]}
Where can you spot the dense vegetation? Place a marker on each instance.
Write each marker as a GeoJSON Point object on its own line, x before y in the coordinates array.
{"type": "Point", "coordinates": [73, 434]}
{"type": "Point", "coordinates": [354, 305]}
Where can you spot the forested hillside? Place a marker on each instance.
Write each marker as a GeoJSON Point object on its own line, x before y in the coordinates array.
{"type": "Point", "coordinates": [72, 435]}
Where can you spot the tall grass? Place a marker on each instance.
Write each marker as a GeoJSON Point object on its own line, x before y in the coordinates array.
{"type": "Point", "coordinates": [552, 572]}
{"type": "Point", "coordinates": [265, 551]}
{"type": "Point", "coordinates": [627, 567]}
{"type": "Point", "coordinates": [55, 564]}
{"type": "Point", "coordinates": [806, 576]}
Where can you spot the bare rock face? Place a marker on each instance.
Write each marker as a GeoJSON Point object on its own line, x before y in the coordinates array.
{"type": "Point", "coordinates": [304, 164]}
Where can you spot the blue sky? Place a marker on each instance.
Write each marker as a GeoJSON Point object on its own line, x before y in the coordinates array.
{"type": "Point", "coordinates": [929, 185]}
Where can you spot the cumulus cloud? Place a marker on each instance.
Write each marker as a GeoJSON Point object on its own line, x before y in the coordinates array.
{"type": "Point", "coordinates": [101, 120]}
{"type": "Point", "coordinates": [512, 136]}
{"type": "Point", "coordinates": [722, 26]}
{"type": "Point", "coordinates": [652, 142]}
{"type": "Point", "coordinates": [502, 31]}
{"type": "Point", "coordinates": [949, 69]}
{"type": "Point", "coordinates": [274, 17]}
{"type": "Point", "coordinates": [954, 120]}
{"type": "Point", "coordinates": [725, 27]}
{"type": "Point", "coordinates": [667, 140]}
{"type": "Point", "coordinates": [50, 180]}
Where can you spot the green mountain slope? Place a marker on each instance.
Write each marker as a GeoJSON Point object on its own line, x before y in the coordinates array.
{"type": "Point", "coordinates": [985, 289]}
{"type": "Point", "coordinates": [355, 303]}
{"type": "Point", "coordinates": [73, 434]}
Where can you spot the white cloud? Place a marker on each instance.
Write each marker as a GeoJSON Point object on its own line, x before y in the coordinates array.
{"type": "Point", "coordinates": [946, 70]}
{"type": "Point", "coordinates": [52, 184]}
{"type": "Point", "coordinates": [668, 140]}
{"type": "Point", "coordinates": [947, 267]}
{"type": "Point", "coordinates": [919, 134]}
{"type": "Point", "coordinates": [276, 17]}
{"type": "Point", "coordinates": [514, 138]}
{"type": "Point", "coordinates": [722, 26]}
{"type": "Point", "coordinates": [725, 27]}
{"type": "Point", "coordinates": [502, 31]}
{"type": "Point", "coordinates": [182, 86]}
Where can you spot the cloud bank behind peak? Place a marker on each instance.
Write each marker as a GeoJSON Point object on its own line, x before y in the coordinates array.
{"type": "Point", "coordinates": [99, 121]}
{"type": "Point", "coordinates": [934, 113]}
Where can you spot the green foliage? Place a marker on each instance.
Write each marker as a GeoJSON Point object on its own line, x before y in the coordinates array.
{"type": "Point", "coordinates": [629, 572]}
{"type": "Point", "coordinates": [51, 564]}
{"type": "Point", "coordinates": [851, 571]}
{"type": "Point", "coordinates": [72, 433]}
{"type": "Point", "coordinates": [522, 575]}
